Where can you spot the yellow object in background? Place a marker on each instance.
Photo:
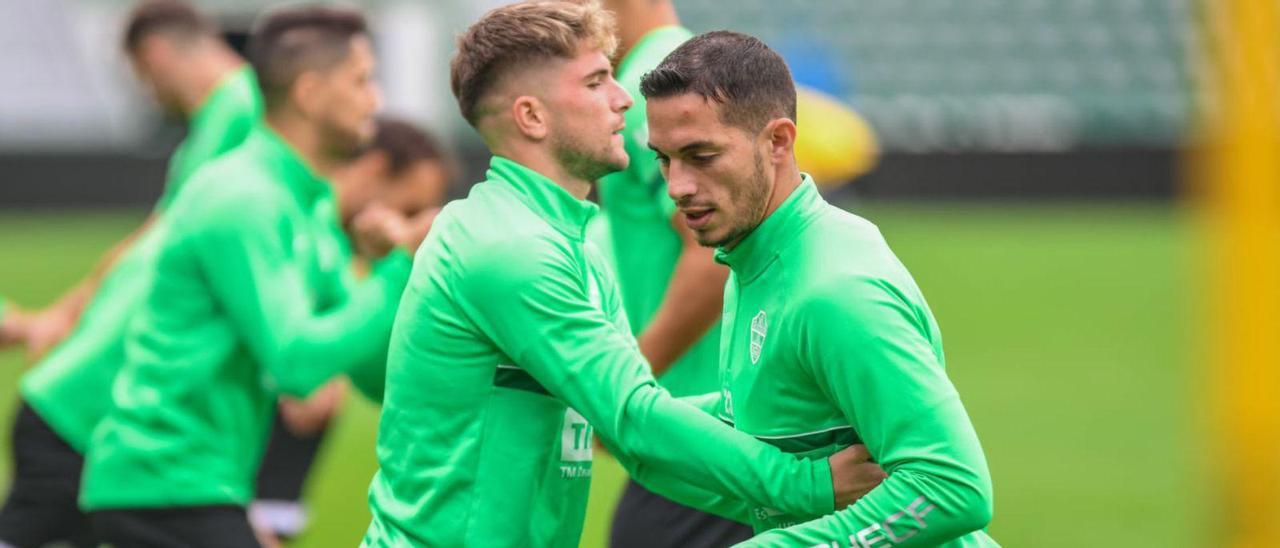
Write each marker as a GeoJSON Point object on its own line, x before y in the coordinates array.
{"type": "Point", "coordinates": [1240, 184]}
{"type": "Point", "coordinates": [835, 145]}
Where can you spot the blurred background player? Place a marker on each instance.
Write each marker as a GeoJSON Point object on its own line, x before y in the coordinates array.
{"type": "Point", "coordinates": [252, 298]}
{"type": "Point", "coordinates": [672, 288]}
{"type": "Point", "coordinates": [179, 55]}
{"type": "Point", "coordinates": [408, 171]}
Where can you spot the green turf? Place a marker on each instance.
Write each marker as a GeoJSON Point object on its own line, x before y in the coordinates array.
{"type": "Point", "coordinates": [1067, 331]}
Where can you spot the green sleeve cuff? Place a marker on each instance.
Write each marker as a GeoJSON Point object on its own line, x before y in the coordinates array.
{"type": "Point", "coordinates": [823, 488]}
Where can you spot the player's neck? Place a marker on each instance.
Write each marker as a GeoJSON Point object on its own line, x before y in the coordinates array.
{"type": "Point", "coordinates": [306, 138]}
{"type": "Point", "coordinates": [640, 19]}
{"type": "Point", "coordinates": [543, 162]}
{"type": "Point", "coordinates": [788, 180]}
{"type": "Point", "coordinates": [203, 73]}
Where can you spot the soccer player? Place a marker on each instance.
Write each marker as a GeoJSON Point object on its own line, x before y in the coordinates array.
{"type": "Point", "coordinates": [250, 299]}
{"type": "Point", "coordinates": [178, 54]}
{"type": "Point", "coordinates": [671, 287]}
{"type": "Point", "coordinates": [827, 339]}
{"type": "Point", "coordinates": [511, 347]}
{"type": "Point", "coordinates": [407, 171]}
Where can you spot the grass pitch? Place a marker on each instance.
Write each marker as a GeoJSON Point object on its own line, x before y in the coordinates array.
{"type": "Point", "coordinates": [1068, 331]}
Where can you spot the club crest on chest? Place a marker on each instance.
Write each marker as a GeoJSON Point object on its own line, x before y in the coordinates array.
{"type": "Point", "coordinates": [759, 329]}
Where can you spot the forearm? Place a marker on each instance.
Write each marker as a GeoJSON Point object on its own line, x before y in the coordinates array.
{"type": "Point", "coordinates": [911, 508]}
{"type": "Point", "coordinates": [686, 445]}
{"type": "Point", "coordinates": [658, 481]}
{"type": "Point", "coordinates": [73, 301]}
{"type": "Point", "coordinates": [692, 304]}
{"type": "Point", "coordinates": [353, 337]}
{"type": "Point", "coordinates": [938, 488]}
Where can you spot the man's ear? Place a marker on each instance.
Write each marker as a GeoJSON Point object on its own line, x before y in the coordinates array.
{"type": "Point", "coordinates": [781, 134]}
{"type": "Point", "coordinates": [530, 116]}
{"type": "Point", "coordinates": [303, 93]}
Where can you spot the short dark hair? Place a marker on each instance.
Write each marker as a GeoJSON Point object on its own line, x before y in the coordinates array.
{"type": "Point", "coordinates": [750, 81]}
{"type": "Point", "coordinates": [405, 144]}
{"type": "Point", "coordinates": [173, 17]}
{"type": "Point", "coordinates": [290, 41]}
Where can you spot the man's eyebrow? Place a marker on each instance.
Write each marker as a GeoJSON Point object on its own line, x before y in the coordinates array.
{"type": "Point", "coordinates": [689, 147]}
{"type": "Point", "coordinates": [597, 73]}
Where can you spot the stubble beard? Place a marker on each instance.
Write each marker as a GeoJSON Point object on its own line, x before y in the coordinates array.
{"type": "Point", "coordinates": [754, 197]}
{"type": "Point", "coordinates": [580, 161]}
{"type": "Point", "coordinates": [342, 144]}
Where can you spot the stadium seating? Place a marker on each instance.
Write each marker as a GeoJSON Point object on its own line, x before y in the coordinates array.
{"type": "Point", "coordinates": [988, 74]}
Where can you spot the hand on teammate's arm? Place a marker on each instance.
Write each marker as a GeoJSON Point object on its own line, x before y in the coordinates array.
{"type": "Point", "coordinates": [853, 475]}
{"type": "Point", "coordinates": [534, 305]}
{"type": "Point", "coordinates": [692, 304]}
{"type": "Point", "coordinates": [873, 361]}
{"type": "Point", "coordinates": [380, 229]}
{"type": "Point", "coordinates": [50, 326]}
{"type": "Point", "coordinates": [308, 416]}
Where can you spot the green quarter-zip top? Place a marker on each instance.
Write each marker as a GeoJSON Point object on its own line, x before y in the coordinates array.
{"type": "Point", "coordinates": [252, 298]}
{"type": "Point", "coordinates": [68, 388]}
{"type": "Point", "coordinates": [220, 124]}
{"type": "Point", "coordinates": [829, 342]}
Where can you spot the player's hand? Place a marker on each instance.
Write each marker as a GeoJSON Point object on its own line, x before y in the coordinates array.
{"type": "Point", "coordinates": [853, 474]}
{"type": "Point", "coordinates": [46, 329]}
{"type": "Point", "coordinates": [308, 417]}
{"type": "Point", "coordinates": [378, 229]}
{"type": "Point", "coordinates": [14, 327]}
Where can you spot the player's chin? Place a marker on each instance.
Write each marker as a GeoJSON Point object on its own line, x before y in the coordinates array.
{"type": "Point", "coordinates": [708, 235]}
{"type": "Point", "coordinates": [366, 133]}
{"type": "Point", "coordinates": [619, 159]}
{"type": "Point", "coordinates": [707, 238]}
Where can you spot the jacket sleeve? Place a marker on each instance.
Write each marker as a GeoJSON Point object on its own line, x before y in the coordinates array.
{"type": "Point", "coordinates": [244, 250]}
{"type": "Point", "coordinates": [533, 301]}
{"type": "Point", "coordinates": [871, 356]}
